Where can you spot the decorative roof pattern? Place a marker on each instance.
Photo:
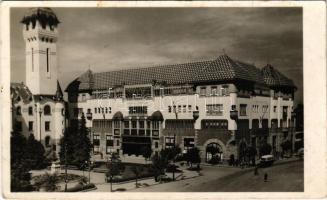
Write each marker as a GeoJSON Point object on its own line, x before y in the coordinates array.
{"type": "Point", "coordinates": [221, 69]}
{"type": "Point", "coordinates": [273, 77]}
{"type": "Point", "coordinates": [20, 90]}
{"type": "Point", "coordinates": [43, 15]}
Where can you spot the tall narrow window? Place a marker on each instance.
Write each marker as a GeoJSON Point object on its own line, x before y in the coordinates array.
{"type": "Point", "coordinates": [48, 67]}
{"type": "Point", "coordinates": [32, 52]}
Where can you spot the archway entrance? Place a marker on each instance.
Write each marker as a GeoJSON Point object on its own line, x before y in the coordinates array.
{"type": "Point", "coordinates": [214, 151]}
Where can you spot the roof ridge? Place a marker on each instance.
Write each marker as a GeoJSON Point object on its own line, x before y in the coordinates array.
{"type": "Point", "coordinates": [155, 66]}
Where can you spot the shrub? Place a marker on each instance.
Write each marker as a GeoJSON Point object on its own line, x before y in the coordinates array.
{"type": "Point", "coordinates": [80, 187]}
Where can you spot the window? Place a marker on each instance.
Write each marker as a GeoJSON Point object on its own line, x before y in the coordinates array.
{"type": "Point", "coordinates": [95, 110]}
{"type": "Point", "coordinates": [102, 109]}
{"type": "Point", "coordinates": [88, 110]}
{"type": "Point", "coordinates": [179, 108]}
{"type": "Point", "coordinates": [30, 126]}
{"type": "Point", "coordinates": [188, 143]}
{"type": "Point", "coordinates": [32, 52]}
{"type": "Point", "coordinates": [117, 143]}
{"type": "Point", "coordinates": [106, 110]}
{"type": "Point", "coordinates": [184, 108]}
{"type": "Point", "coordinates": [19, 126]}
{"type": "Point", "coordinates": [169, 109]}
{"type": "Point", "coordinates": [224, 90]}
{"type": "Point", "coordinates": [169, 142]}
{"type": "Point", "coordinates": [47, 141]}
{"type": "Point", "coordinates": [264, 108]}
{"type": "Point", "coordinates": [189, 108]}
{"type": "Point", "coordinates": [47, 126]}
{"type": "Point", "coordinates": [285, 112]}
{"type": "Point", "coordinates": [275, 108]}
{"type": "Point", "coordinates": [214, 124]}
{"type": "Point", "coordinates": [19, 111]}
{"type": "Point", "coordinates": [155, 125]}
{"type": "Point", "coordinates": [109, 109]}
{"type": "Point", "coordinates": [214, 90]}
{"type": "Point", "coordinates": [156, 145]}
{"type": "Point", "coordinates": [99, 110]}
{"type": "Point", "coordinates": [243, 110]}
{"type": "Point", "coordinates": [30, 110]}
{"type": "Point", "coordinates": [96, 140]}
{"type": "Point", "coordinates": [134, 124]}
{"type": "Point", "coordinates": [116, 124]}
{"type": "Point", "coordinates": [141, 124]}
{"type": "Point", "coordinates": [109, 140]}
{"type": "Point", "coordinates": [179, 124]}
{"type": "Point", "coordinates": [203, 91]}
{"type": "Point", "coordinates": [47, 110]}
{"type": "Point", "coordinates": [138, 110]}
{"type": "Point", "coordinates": [48, 64]}
{"type": "Point", "coordinates": [214, 109]}
{"type": "Point", "coordinates": [126, 124]}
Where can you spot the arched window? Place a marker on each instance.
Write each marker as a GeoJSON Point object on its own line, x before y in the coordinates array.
{"type": "Point", "coordinates": [47, 141]}
{"type": "Point", "coordinates": [47, 110]}
{"type": "Point", "coordinates": [19, 111]}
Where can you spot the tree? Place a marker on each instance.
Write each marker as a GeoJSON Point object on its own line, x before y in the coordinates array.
{"type": "Point", "coordinates": [67, 145]}
{"type": "Point", "coordinates": [137, 170]}
{"type": "Point", "coordinates": [265, 149]}
{"type": "Point", "coordinates": [286, 146]}
{"type": "Point", "coordinates": [193, 156]}
{"type": "Point", "coordinates": [35, 153]}
{"type": "Point", "coordinates": [115, 167]}
{"type": "Point", "coordinates": [146, 152]}
{"type": "Point", "coordinates": [82, 146]}
{"type": "Point", "coordinates": [251, 152]}
{"type": "Point", "coordinates": [159, 164]}
{"type": "Point", "coordinates": [19, 166]}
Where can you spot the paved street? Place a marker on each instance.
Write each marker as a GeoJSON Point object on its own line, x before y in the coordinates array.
{"type": "Point", "coordinates": [237, 180]}
{"type": "Point", "coordinates": [285, 175]}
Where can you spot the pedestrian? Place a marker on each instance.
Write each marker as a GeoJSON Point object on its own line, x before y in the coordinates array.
{"type": "Point", "coordinates": [266, 177]}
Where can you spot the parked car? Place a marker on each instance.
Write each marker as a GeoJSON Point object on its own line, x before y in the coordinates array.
{"type": "Point", "coordinates": [266, 160]}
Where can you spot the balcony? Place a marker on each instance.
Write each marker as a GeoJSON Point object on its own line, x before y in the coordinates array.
{"type": "Point", "coordinates": [89, 116]}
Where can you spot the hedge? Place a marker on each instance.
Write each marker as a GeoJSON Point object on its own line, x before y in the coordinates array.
{"type": "Point", "coordinates": [79, 187]}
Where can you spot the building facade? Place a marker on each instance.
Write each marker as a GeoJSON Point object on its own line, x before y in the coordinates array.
{"type": "Point", "coordinates": [221, 103]}
{"type": "Point", "coordinates": [37, 106]}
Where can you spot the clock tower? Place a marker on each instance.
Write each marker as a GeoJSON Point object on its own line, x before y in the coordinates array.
{"type": "Point", "coordinates": [40, 34]}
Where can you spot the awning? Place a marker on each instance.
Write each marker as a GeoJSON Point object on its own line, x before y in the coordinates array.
{"type": "Point", "coordinates": [156, 116]}
{"type": "Point", "coordinates": [118, 116]}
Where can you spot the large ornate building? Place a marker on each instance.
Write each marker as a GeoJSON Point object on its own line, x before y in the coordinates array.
{"type": "Point", "coordinates": [38, 106]}
{"type": "Point", "coordinates": [222, 103]}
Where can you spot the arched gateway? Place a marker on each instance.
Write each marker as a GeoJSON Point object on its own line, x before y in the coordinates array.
{"type": "Point", "coordinates": [214, 148]}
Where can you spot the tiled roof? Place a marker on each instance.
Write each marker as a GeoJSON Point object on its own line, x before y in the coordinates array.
{"type": "Point", "coordinates": [20, 90]}
{"type": "Point", "coordinates": [275, 78]}
{"type": "Point", "coordinates": [221, 69]}
{"type": "Point", "coordinates": [43, 15]}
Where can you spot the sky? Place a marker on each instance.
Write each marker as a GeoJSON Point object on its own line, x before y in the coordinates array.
{"type": "Point", "coordinates": [106, 39]}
